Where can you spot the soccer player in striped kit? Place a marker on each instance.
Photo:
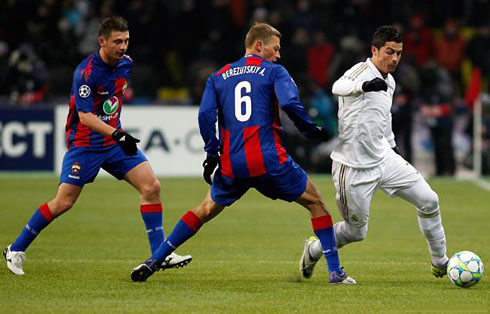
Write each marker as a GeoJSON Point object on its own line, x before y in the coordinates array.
{"type": "Point", "coordinates": [96, 140]}
{"type": "Point", "coordinates": [245, 97]}
{"type": "Point", "coordinates": [366, 157]}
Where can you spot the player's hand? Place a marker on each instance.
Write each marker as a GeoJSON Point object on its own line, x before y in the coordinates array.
{"type": "Point", "coordinates": [209, 166]}
{"type": "Point", "coordinates": [396, 150]}
{"type": "Point", "coordinates": [323, 134]}
{"type": "Point", "coordinates": [374, 85]}
{"type": "Point", "coordinates": [126, 141]}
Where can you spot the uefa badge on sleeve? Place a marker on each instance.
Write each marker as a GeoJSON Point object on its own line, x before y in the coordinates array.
{"type": "Point", "coordinates": [84, 91]}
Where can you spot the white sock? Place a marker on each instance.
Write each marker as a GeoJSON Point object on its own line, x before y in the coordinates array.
{"type": "Point", "coordinates": [316, 250]}
{"type": "Point", "coordinates": [439, 260]}
{"type": "Point", "coordinates": [431, 227]}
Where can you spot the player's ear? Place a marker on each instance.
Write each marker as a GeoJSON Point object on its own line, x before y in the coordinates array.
{"type": "Point", "coordinates": [101, 41]}
{"type": "Point", "coordinates": [374, 50]}
{"type": "Point", "coordinates": [258, 46]}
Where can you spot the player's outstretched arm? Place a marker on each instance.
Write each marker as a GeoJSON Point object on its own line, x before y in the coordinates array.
{"type": "Point", "coordinates": [207, 119]}
{"type": "Point", "coordinates": [288, 96]}
{"type": "Point", "coordinates": [126, 141]}
{"type": "Point", "coordinates": [304, 124]}
{"type": "Point", "coordinates": [347, 86]}
{"type": "Point", "coordinates": [92, 122]}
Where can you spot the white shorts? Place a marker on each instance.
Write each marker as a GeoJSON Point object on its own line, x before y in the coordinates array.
{"type": "Point", "coordinates": [356, 186]}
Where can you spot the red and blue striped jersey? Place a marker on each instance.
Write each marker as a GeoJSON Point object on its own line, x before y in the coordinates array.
{"type": "Point", "coordinates": [97, 88]}
{"type": "Point", "coordinates": [244, 97]}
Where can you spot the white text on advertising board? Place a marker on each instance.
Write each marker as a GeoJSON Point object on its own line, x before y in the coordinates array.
{"type": "Point", "coordinates": [15, 138]}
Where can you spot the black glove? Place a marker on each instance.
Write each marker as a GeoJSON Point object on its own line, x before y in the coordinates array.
{"type": "Point", "coordinates": [209, 165]}
{"type": "Point", "coordinates": [374, 85]}
{"type": "Point", "coordinates": [126, 141]}
{"type": "Point", "coordinates": [323, 134]}
{"type": "Point", "coordinates": [396, 150]}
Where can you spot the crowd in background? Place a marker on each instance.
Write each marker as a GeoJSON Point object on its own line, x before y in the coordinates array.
{"type": "Point", "coordinates": [176, 44]}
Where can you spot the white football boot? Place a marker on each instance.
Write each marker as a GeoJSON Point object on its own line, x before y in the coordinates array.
{"type": "Point", "coordinates": [176, 261]}
{"type": "Point", "coordinates": [15, 260]}
{"type": "Point", "coordinates": [307, 262]}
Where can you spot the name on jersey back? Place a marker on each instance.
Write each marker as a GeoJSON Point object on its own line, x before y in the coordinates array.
{"type": "Point", "coordinates": [247, 69]}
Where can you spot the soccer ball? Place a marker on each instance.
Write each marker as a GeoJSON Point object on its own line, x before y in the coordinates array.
{"type": "Point", "coordinates": [465, 269]}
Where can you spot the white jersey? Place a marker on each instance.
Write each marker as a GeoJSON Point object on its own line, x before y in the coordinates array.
{"type": "Point", "coordinates": [365, 133]}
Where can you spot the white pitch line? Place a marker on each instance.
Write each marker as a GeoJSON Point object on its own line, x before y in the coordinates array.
{"type": "Point", "coordinates": [483, 184]}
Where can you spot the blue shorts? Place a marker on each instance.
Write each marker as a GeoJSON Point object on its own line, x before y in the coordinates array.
{"type": "Point", "coordinates": [81, 164]}
{"type": "Point", "coordinates": [287, 182]}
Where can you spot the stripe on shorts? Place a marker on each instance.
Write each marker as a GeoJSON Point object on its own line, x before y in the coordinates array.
{"type": "Point", "coordinates": [343, 198]}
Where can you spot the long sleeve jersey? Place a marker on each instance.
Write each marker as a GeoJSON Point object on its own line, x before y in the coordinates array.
{"type": "Point", "coordinates": [365, 131]}
{"type": "Point", "coordinates": [244, 97]}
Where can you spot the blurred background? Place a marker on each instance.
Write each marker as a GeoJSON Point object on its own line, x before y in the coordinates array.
{"type": "Point", "coordinates": [176, 44]}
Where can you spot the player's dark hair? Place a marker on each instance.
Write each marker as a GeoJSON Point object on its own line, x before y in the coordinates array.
{"type": "Point", "coordinates": [385, 33]}
{"type": "Point", "coordinates": [110, 24]}
{"type": "Point", "coordinates": [260, 31]}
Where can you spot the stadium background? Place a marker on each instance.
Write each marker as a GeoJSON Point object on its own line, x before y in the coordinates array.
{"type": "Point", "coordinates": [245, 261]}
{"type": "Point", "coordinates": [177, 44]}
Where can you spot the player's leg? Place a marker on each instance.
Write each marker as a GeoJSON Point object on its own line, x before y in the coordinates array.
{"type": "Point", "coordinates": [148, 186]}
{"type": "Point", "coordinates": [185, 228]}
{"type": "Point", "coordinates": [401, 179]}
{"type": "Point", "coordinates": [353, 203]}
{"type": "Point", "coordinates": [323, 228]}
{"type": "Point", "coordinates": [137, 171]}
{"type": "Point", "coordinates": [223, 192]}
{"type": "Point", "coordinates": [354, 191]}
{"type": "Point", "coordinates": [429, 218]}
{"type": "Point", "coordinates": [65, 198]}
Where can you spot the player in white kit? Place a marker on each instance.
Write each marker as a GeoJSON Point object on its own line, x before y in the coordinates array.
{"type": "Point", "coordinates": [366, 158]}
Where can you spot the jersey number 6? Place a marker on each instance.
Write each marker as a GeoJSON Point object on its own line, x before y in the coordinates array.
{"type": "Point", "coordinates": [239, 99]}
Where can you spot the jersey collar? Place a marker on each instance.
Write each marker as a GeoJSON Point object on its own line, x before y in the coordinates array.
{"type": "Point", "coordinates": [254, 55]}
{"type": "Point", "coordinates": [99, 60]}
{"type": "Point", "coordinates": [375, 70]}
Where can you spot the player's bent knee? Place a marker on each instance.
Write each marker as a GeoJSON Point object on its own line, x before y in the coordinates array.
{"type": "Point", "coordinates": [356, 234]}
{"type": "Point", "coordinates": [207, 210]}
{"type": "Point", "coordinates": [430, 203]}
{"type": "Point", "coordinates": [59, 207]}
{"type": "Point", "coordinates": [151, 189]}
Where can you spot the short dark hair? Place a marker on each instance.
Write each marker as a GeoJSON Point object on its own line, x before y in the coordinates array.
{"type": "Point", "coordinates": [110, 24]}
{"type": "Point", "coordinates": [385, 33]}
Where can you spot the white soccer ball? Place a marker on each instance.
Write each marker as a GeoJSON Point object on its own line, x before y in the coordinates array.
{"type": "Point", "coordinates": [465, 269]}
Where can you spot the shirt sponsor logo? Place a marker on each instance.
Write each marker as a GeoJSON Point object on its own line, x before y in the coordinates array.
{"type": "Point", "coordinates": [107, 118]}
{"type": "Point", "coordinates": [110, 105]}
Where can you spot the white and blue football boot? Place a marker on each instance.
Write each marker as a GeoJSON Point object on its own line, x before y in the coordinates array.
{"type": "Point", "coordinates": [15, 260]}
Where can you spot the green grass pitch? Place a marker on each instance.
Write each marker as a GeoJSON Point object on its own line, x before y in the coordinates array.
{"type": "Point", "coordinates": [245, 261]}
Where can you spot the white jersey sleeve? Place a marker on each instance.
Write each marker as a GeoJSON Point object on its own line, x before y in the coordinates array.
{"type": "Point", "coordinates": [350, 84]}
{"type": "Point", "coordinates": [365, 133]}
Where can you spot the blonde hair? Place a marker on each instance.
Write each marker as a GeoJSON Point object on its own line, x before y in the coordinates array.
{"type": "Point", "coordinates": [260, 31]}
